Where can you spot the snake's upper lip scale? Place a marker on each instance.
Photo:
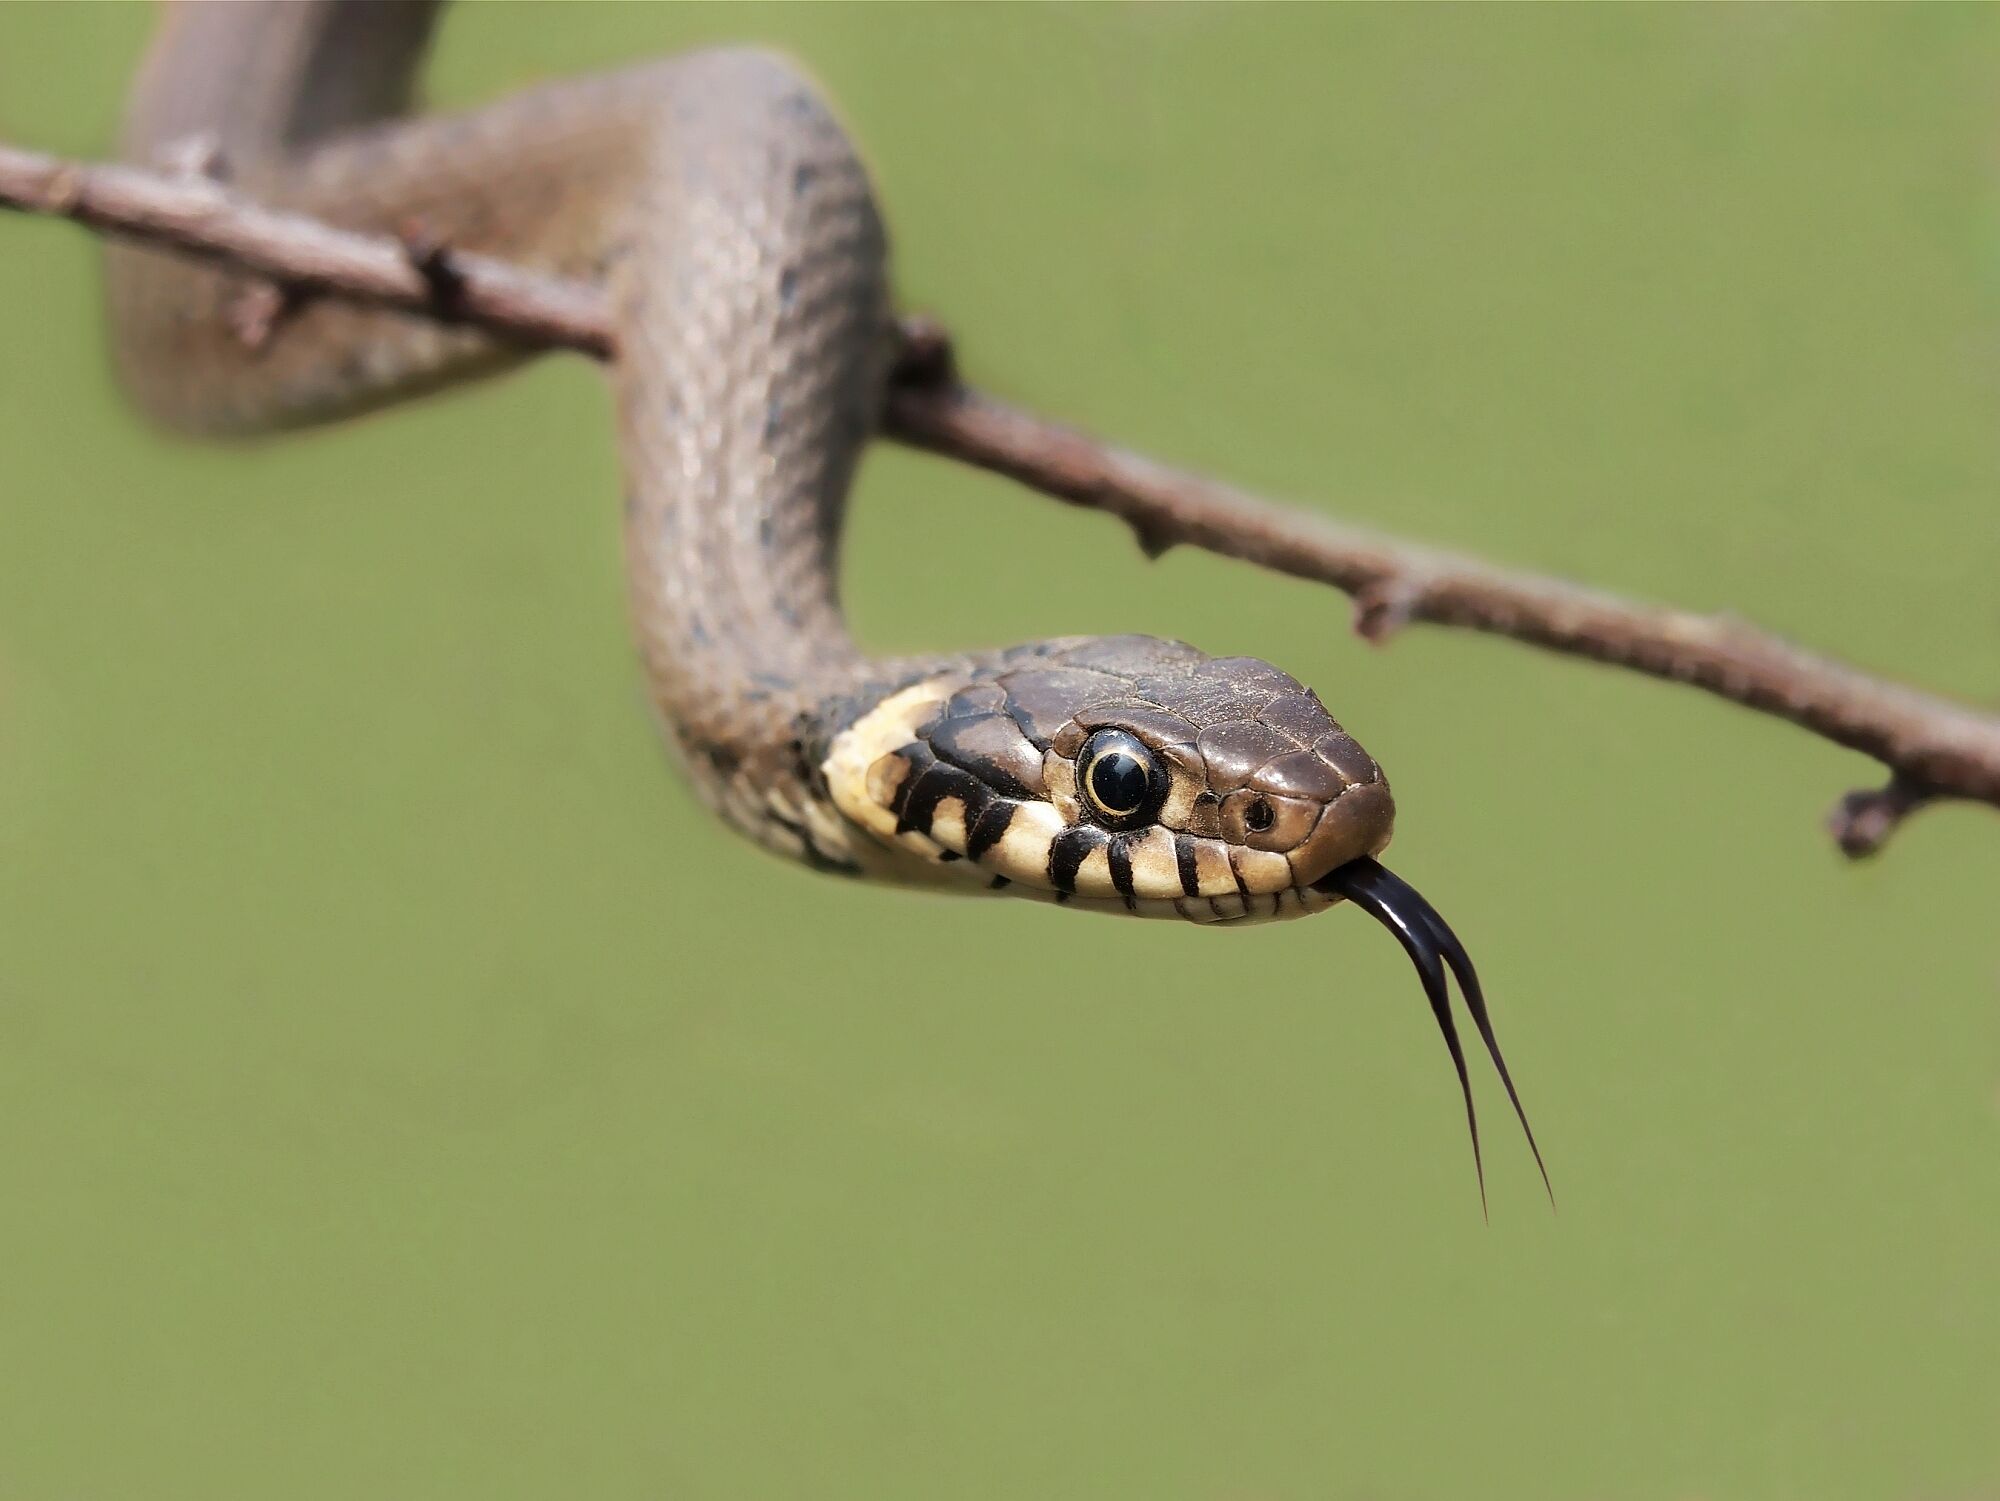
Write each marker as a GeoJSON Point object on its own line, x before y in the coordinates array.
{"type": "Point", "coordinates": [1432, 945]}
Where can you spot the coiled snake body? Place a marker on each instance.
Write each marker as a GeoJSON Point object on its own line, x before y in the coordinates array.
{"type": "Point", "coordinates": [724, 210]}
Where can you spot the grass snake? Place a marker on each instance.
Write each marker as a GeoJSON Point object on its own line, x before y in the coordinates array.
{"type": "Point", "coordinates": [718, 201]}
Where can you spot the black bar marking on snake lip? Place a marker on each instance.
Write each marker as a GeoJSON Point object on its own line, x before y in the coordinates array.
{"type": "Point", "coordinates": [987, 829]}
{"type": "Point", "coordinates": [1241, 889]}
{"type": "Point", "coordinates": [920, 795]}
{"type": "Point", "coordinates": [1120, 858]}
{"type": "Point", "coordinates": [999, 883]}
{"type": "Point", "coordinates": [1431, 945]}
{"type": "Point", "coordinates": [1184, 862]}
{"type": "Point", "coordinates": [1068, 851]}
{"type": "Point", "coordinates": [930, 787]}
{"type": "Point", "coordinates": [919, 759]}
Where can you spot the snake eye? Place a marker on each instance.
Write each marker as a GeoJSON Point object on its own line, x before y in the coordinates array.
{"type": "Point", "coordinates": [1122, 780]}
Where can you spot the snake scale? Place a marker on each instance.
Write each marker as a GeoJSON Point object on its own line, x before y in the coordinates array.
{"type": "Point", "coordinates": [723, 209]}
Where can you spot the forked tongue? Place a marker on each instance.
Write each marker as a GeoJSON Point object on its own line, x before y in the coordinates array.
{"type": "Point", "coordinates": [1432, 946]}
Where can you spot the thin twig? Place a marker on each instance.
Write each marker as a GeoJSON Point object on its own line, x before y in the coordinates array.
{"type": "Point", "coordinates": [1933, 748]}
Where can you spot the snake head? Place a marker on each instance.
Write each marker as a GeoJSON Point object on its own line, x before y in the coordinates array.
{"type": "Point", "coordinates": [1123, 774]}
{"type": "Point", "coordinates": [1126, 774]}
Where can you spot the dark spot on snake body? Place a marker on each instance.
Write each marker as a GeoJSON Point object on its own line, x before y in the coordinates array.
{"type": "Point", "coordinates": [1069, 850]}
{"type": "Point", "coordinates": [698, 633]}
{"type": "Point", "coordinates": [802, 178]}
{"type": "Point", "coordinates": [926, 790]}
{"type": "Point", "coordinates": [916, 800]}
{"type": "Point", "coordinates": [945, 857]}
{"type": "Point", "coordinates": [919, 758]}
{"type": "Point", "coordinates": [1184, 862]}
{"type": "Point", "coordinates": [986, 830]}
{"type": "Point", "coordinates": [973, 802]}
{"type": "Point", "coordinates": [998, 883]}
{"type": "Point", "coordinates": [726, 760]}
{"type": "Point", "coordinates": [788, 285]}
{"type": "Point", "coordinates": [774, 417]}
{"type": "Point", "coordinates": [801, 762]}
{"type": "Point", "coordinates": [773, 681]}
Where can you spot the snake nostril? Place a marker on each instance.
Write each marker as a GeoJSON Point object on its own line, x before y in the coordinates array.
{"type": "Point", "coordinates": [1259, 817]}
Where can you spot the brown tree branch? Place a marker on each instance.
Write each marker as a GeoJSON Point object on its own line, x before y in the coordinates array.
{"type": "Point", "coordinates": [1933, 748]}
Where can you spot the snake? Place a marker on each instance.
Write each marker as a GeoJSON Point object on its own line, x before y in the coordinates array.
{"type": "Point", "coordinates": [730, 221]}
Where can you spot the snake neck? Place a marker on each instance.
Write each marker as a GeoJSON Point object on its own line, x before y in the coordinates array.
{"type": "Point", "coordinates": [753, 299]}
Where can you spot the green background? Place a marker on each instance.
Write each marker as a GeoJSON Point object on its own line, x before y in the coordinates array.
{"type": "Point", "coordinates": [406, 1090]}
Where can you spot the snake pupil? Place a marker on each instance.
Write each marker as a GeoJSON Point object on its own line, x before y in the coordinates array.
{"type": "Point", "coordinates": [1119, 782]}
{"type": "Point", "coordinates": [1258, 817]}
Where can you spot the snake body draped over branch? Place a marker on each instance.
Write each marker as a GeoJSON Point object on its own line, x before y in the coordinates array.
{"type": "Point", "coordinates": [721, 206]}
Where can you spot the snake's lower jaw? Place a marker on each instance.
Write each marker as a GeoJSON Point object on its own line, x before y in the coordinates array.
{"type": "Point", "coordinates": [1432, 947]}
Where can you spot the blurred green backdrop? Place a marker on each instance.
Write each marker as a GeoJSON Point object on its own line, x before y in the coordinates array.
{"type": "Point", "coordinates": [407, 1091]}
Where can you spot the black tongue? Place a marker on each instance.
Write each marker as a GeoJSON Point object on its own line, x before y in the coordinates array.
{"type": "Point", "coordinates": [1431, 945]}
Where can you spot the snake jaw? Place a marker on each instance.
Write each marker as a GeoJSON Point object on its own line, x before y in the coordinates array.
{"type": "Point", "coordinates": [1433, 947]}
